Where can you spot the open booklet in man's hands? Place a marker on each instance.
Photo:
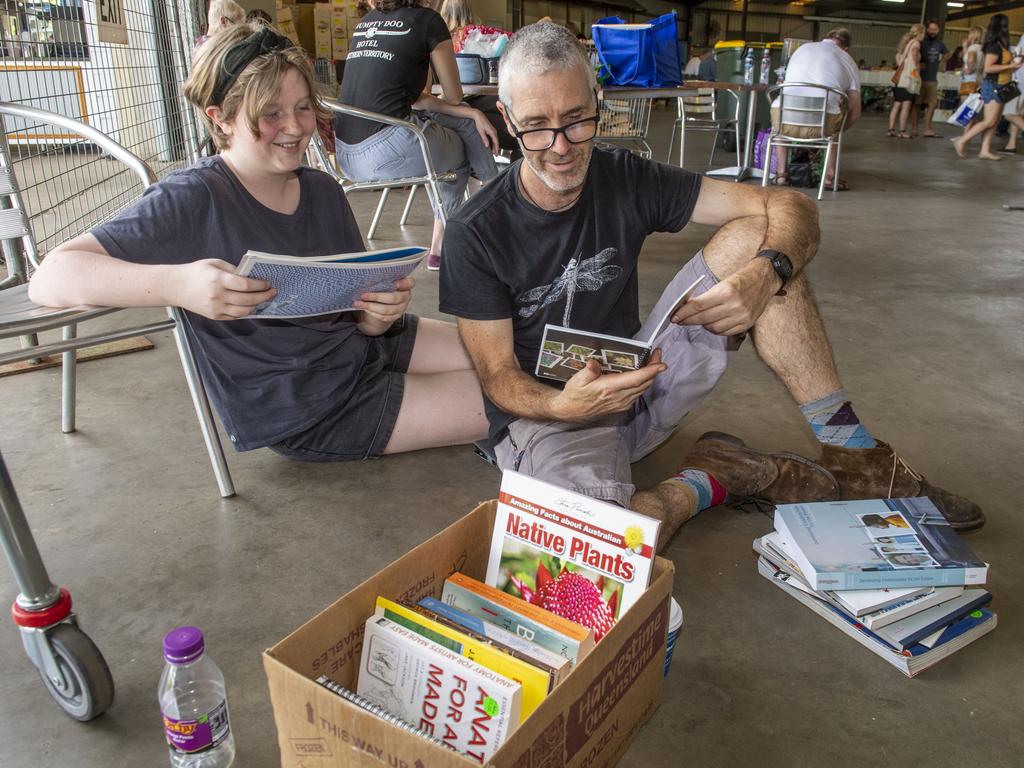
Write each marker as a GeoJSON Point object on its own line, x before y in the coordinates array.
{"type": "Point", "coordinates": [565, 351]}
{"type": "Point", "coordinates": [318, 285]}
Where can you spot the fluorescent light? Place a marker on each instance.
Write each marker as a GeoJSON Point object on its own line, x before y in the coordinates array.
{"type": "Point", "coordinates": [892, 1]}
{"type": "Point", "coordinates": [955, 5]}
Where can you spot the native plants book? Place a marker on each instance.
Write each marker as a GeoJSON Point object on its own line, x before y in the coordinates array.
{"type": "Point", "coordinates": [578, 557]}
{"type": "Point", "coordinates": [462, 703]}
{"type": "Point", "coordinates": [565, 351]}
{"type": "Point", "coordinates": [876, 543]}
{"type": "Point", "coordinates": [318, 285]}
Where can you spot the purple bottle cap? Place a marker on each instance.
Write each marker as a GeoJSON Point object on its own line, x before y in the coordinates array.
{"type": "Point", "coordinates": [183, 645]}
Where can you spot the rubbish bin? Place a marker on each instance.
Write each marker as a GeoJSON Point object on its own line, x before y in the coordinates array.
{"type": "Point", "coordinates": [729, 56]}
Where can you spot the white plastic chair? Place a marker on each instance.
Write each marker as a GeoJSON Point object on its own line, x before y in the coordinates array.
{"type": "Point", "coordinates": [317, 157]}
{"type": "Point", "coordinates": [804, 111]}
{"type": "Point", "coordinates": [707, 111]}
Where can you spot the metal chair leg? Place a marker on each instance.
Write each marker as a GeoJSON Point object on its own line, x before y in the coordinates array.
{"type": "Point", "coordinates": [408, 204]}
{"type": "Point", "coordinates": [69, 379]}
{"type": "Point", "coordinates": [824, 171]}
{"type": "Point", "coordinates": [378, 212]}
{"type": "Point", "coordinates": [767, 171]}
{"type": "Point", "coordinates": [202, 406]}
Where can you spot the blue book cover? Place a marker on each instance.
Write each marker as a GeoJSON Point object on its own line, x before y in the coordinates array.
{"type": "Point", "coordinates": [876, 544]}
{"type": "Point", "coordinates": [308, 286]}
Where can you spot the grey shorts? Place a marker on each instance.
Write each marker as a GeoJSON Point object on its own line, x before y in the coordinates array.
{"type": "Point", "coordinates": [361, 427]}
{"type": "Point", "coordinates": [594, 458]}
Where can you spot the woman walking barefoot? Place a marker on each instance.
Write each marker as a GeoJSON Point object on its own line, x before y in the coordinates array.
{"type": "Point", "coordinates": [998, 68]}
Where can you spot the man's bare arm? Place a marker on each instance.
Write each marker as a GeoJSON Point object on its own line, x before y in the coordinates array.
{"type": "Point", "coordinates": [588, 395]}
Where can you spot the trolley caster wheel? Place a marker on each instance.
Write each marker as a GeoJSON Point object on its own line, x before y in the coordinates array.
{"type": "Point", "coordinates": [91, 686]}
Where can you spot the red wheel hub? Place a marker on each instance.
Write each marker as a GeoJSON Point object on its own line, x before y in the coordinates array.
{"type": "Point", "coordinates": [47, 616]}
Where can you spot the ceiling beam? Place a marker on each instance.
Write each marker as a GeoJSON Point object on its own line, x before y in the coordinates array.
{"type": "Point", "coordinates": [984, 10]}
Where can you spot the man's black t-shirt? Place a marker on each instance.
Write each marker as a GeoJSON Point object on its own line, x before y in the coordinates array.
{"type": "Point", "coordinates": [387, 64]}
{"type": "Point", "coordinates": [932, 50]}
{"type": "Point", "coordinates": [505, 258]}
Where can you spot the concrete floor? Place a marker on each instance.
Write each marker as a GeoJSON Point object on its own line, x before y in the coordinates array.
{"type": "Point", "coordinates": [920, 281]}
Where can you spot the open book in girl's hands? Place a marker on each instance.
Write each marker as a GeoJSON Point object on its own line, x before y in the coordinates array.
{"type": "Point", "coordinates": [318, 285]}
{"type": "Point", "coordinates": [565, 351]}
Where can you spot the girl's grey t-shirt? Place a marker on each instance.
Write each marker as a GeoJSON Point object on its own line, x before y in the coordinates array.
{"type": "Point", "coordinates": [268, 379]}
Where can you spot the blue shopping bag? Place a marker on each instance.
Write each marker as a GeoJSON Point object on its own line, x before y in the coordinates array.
{"type": "Point", "coordinates": [643, 55]}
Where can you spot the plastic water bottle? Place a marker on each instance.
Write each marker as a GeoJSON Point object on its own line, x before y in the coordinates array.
{"type": "Point", "coordinates": [766, 66]}
{"type": "Point", "coordinates": [748, 67]}
{"type": "Point", "coordinates": [194, 704]}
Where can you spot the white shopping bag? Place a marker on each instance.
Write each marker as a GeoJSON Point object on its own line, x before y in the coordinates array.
{"type": "Point", "coordinates": [966, 112]}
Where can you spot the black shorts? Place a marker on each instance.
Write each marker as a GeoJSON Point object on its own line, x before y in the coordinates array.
{"type": "Point", "coordinates": [361, 427]}
{"type": "Point", "coordinates": [902, 94]}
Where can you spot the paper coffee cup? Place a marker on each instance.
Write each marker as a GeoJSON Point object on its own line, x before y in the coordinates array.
{"type": "Point", "coordinates": [675, 623]}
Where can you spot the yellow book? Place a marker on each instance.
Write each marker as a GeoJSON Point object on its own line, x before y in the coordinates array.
{"type": "Point", "coordinates": [536, 682]}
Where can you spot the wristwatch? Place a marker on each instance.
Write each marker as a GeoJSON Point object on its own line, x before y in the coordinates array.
{"type": "Point", "coordinates": [781, 264]}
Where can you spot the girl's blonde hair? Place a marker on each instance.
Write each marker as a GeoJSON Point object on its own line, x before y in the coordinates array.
{"type": "Point", "coordinates": [974, 35]}
{"type": "Point", "coordinates": [915, 30]}
{"type": "Point", "coordinates": [257, 85]}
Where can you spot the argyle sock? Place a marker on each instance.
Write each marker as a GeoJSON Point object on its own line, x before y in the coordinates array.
{"type": "Point", "coordinates": [834, 422]}
{"type": "Point", "coordinates": [709, 492]}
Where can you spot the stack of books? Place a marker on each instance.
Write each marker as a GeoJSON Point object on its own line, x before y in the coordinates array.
{"type": "Point", "coordinates": [890, 573]}
{"type": "Point", "coordinates": [466, 667]}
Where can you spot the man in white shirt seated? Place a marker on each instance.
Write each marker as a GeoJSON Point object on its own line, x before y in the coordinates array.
{"type": "Point", "coordinates": [826, 63]}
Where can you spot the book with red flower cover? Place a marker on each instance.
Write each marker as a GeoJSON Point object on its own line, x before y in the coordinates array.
{"type": "Point", "coordinates": [578, 557]}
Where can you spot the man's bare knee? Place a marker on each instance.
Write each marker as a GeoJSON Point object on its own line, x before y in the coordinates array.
{"type": "Point", "coordinates": [734, 244]}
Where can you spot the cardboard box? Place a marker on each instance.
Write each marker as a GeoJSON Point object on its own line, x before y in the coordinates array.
{"type": "Point", "coordinates": [588, 720]}
{"type": "Point", "coordinates": [322, 30]}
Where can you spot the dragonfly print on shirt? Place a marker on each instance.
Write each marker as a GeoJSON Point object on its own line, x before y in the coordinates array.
{"type": "Point", "coordinates": [578, 275]}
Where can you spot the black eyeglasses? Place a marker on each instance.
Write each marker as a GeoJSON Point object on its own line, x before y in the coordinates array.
{"type": "Point", "coordinates": [539, 139]}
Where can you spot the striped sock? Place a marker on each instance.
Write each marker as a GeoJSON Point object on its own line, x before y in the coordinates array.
{"type": "Point", "coordinates": [834, 422]}
{"type": "Point", "coordinates": [708, 490]}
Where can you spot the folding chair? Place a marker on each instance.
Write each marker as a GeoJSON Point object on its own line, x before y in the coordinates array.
{"type": "Point", "coordinates": [73, 670]}
{"type": "Point", "coordinates": [806, 112]}
{"type": "Point", "coordinates": [317, 157]}
{"type": "Point", "coordinates": [625, 120]}
{"type": "Point", "coordinates": [707, 111]}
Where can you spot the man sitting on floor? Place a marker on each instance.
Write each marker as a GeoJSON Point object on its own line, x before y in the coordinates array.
{"type": "Point", "coordinates": [826, 63]}
{"type": "Point", "coordinates": [557, 240]}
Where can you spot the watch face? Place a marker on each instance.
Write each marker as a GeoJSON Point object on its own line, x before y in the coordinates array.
{"type": "Point", "coordinates": [783, 266]}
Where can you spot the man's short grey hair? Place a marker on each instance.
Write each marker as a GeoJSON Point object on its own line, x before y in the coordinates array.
{"type": "Point", "coordinates": [538, 49]}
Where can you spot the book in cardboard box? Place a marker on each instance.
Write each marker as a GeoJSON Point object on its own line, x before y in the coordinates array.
{"type": "Point", "coordinates": [876, 543]}
{"type": "Point", "coordinates": [535, 682]}
{"type": "Point", "coordinates": [448, 696]}
{"type": "Point", "coordinates": [568, 639]}
{"type": "Point", "coordinates": [578, 557]}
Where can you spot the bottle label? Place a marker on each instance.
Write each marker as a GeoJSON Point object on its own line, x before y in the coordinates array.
{"type": "Point", "coordinates": [205, 732]}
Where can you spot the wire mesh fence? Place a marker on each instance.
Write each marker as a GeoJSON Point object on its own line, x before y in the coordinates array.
{"type": "Point", "coordinates": [115, 64]}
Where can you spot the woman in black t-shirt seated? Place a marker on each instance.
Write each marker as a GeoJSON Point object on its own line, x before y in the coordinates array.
{"type": "Point", "coordinates": [391, 52]}
{"type": "Point", "coordinates": [998, 66]}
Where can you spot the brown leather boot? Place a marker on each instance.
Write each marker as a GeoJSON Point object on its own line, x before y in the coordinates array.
{"type": "Point", "coordinates": [779, 477]}
{"type": "Point", "coordinates": [880, 473]}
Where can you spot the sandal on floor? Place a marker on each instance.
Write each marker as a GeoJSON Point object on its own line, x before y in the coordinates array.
{"type": "Point", "coordinates": [780, 181]}
{"type": "Point", "coordinates": [891, 133]}
{"type": "Point", "coordinates": [931, 135]}
{"type": "Point", "coordinates": [842, 186]}
{"type": "Point", "coordinates": [903, 135]}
